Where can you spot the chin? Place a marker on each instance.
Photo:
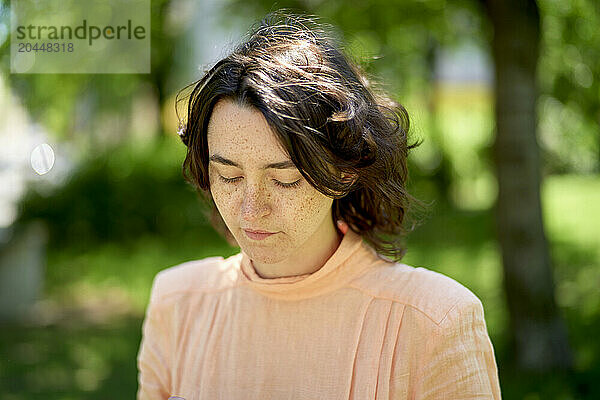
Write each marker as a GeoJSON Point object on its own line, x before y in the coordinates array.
{"type": "Point", "coordinates": [264, 255]}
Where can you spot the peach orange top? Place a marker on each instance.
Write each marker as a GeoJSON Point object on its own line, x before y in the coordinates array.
{"type": "Point", "coordinates": [361, 327]}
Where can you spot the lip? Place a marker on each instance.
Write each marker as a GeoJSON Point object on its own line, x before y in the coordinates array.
{"type": "Point", "coordinates": [258, 235]}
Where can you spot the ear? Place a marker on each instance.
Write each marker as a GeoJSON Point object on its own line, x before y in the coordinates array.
{"type": "Point", "coordinates": [342, 226]}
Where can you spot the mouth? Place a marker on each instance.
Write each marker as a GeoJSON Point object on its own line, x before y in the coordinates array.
{"type": "Point", "coordinates": [258, 235]}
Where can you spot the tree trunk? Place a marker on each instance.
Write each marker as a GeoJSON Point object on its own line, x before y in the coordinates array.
{"type": "Point", "coordinates": [538, 332]}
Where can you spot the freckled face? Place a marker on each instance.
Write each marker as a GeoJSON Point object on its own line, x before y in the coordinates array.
{"type": "Point", "coordinates": [250, 196]}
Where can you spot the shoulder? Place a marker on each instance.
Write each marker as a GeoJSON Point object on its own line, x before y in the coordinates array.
{"type": "Point", "coordinates": [198, 276]}
{"type": "Point", "coordinates": [430, 293]}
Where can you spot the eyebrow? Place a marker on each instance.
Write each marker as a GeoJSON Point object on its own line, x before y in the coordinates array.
{"type": "Point", "coordinates": [278, 165]}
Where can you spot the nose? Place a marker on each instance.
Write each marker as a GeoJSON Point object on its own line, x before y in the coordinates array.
{"type": "Point", "coordinates": [255, 204]}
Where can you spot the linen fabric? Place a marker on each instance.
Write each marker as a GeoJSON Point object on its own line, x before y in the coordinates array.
{"type": "Point", "coordinates": [361, 327]}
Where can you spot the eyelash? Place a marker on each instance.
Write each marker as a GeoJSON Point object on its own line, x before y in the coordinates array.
{"type": "Point", "coordinates": [280, 184]}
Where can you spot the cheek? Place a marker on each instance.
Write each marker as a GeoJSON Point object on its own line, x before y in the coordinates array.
{"type": "Point", "coordinates": [226, 204]}
{"type": "Point", "coordinates": [305, 212]}
{"type": "Point", "coordinates": [222, 196]}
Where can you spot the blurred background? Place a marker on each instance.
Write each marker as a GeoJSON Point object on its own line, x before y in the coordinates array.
{"type": "Point", "coordinates": [505, 95]}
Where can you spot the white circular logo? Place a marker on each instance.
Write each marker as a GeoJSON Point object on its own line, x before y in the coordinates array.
{"type": "Point", "coordinates": [42, 158]}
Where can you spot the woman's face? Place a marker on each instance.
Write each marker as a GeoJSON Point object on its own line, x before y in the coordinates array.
{"type": "Point", "coordinates": [255, 186]}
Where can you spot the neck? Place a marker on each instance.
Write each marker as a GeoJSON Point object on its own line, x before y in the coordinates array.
{"type": "Point", "coordinates": [306, 261]}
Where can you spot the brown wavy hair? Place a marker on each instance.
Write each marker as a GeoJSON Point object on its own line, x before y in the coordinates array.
{"type": "Point", "coordinates": [348, 139]}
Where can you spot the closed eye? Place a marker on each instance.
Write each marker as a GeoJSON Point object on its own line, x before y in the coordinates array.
{"type": "Point", "coordinates": [229, 180]}
{"type": "Point", "coordinates": [287, 185]}
{"type": "Point", "coordinates": [278, 183]}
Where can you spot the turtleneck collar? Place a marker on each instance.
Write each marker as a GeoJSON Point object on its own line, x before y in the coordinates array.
{"type": "Point", "coordinates": [352, 257]}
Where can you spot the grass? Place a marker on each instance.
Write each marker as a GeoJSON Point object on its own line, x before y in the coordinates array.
{"type": "Point", "coordinates": [70, 359]}
{"type": "Point", "coordinates": [84, 342]}
{"type": "Point", "coordinates": [127, 267]}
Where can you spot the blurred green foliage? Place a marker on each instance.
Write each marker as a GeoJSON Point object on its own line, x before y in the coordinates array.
{"type": "Point", "coordinates": [72, 106]}
{"type": "Point", "coordinates": [569, 76]}
{"type": "Point", "coordinates": [118, 195]}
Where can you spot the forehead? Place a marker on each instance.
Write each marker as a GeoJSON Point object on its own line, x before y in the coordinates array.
{"type": "Point", "coordinates": [238, 130]}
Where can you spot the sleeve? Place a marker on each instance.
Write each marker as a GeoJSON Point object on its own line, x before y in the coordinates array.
{"type": "Point", "coordinates": [459, 361]}
{"type": "Point", "coordinates": [154, 356]}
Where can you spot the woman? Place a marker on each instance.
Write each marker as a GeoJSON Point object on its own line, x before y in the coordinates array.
{"type": "Point", "coordinates": [306, 168]}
